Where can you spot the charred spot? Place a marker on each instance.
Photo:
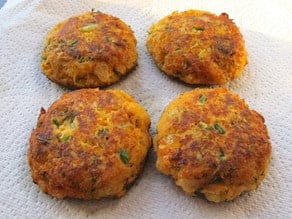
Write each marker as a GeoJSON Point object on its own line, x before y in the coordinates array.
{"type": "Point", "coordinates": [63, 174]}
{"type": "Point", "coordinates": [72, 51]}
{"type": "Point", "coordinates": [199, 193]}
{"type": "Point", "coordinates": [193, 145]}
{"type": "Point", "coordinates": [109, 163]}
{"type": "Point", "coordinates": [43, 174]}
{"type": "Point", "coordinates": [212, 164]}
{"type": "Point", "coordinates": [106, 99]}
{"type": "Point", "coordinates": [83, 155]}
{"type": "Point", "coordinates": [128, 184]}
{"type": "Point", "coordinates": [96, 160]}
{"type": "Point", "coordinates": [225, 46]}
{"type": "Point", "coordinates": [186, 140]}
{"type": "Point", "coordinates": [178, 158]}
{"type": "Point", "coordinates": [64, 150]}
{"type": "Point", "coordinates": [92, 185]}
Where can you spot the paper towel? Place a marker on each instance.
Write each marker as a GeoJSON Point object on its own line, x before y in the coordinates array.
{"type": "Point", "coordinates": [266, 84]}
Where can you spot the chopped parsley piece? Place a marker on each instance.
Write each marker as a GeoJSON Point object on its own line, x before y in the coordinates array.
{"type": "Point", "coordinates": [44, 57]}
{"type": "Point", "coordinates": [217, 179]}
{"type": "Point", "coordinates": [219, 129]}
{"type": "Point", "coordinates": [92, 187]}
{"type": "Point", "coordinates": [88, 28]}
{"type": "Point", "coordinates": [102, 131]}
{"type": "Point", "coordinates": [70, 117]}
{"type": "Point", "coordinates": [72, 43]}
{"type": "Point", "coordinates": [203, 125]}
{"type": "Point", "coordinates": [178, 50]}
{"type": "Point", "coordinates": [196, 29]}
{"type": "Point", "coordinates": [221, 155]}
{"type": "Point", "coordinates": [202, 99]}
{"type": "Point", "coordinates": [56, 122]}
{"type": "Point", "coordinates": [109, 39]}
{"type": "Point", "coordinates": [124, 155]}
{"type": "Point", "coordinates": [66, 138]}
{"type": "Point", "coordinates": [43, 139]}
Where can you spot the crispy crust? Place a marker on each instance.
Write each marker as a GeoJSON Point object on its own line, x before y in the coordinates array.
{"type": "Point", "coordinates": [89, 50]}
{"type": "Point", "coordinates": [212, 144]}
{"type": "Point", "coordinates": [89, 144]}
{"type": "Point", "coordinates": [198, 47]}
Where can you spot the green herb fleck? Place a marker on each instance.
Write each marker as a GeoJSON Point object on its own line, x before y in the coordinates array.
{"type": "Point", "coordinates": [56, 122]}
{"type": "Point", "coordinates": [221, 155]}
{"type": "Point", "coordinates": [202, 99]}
{"type": "Point", "coordinates": [216, 179]}
{"type": "Point", "coordinates": [88, 28]}
{"type": "Point", "coordinates": [109, 39]}
{"type": "Point", "coordinates": [178, 50]}
{"type": "Point", "coordinates": [124, 155]}
{"type": "Point", "coordinates": [102, 131]}
{"type": "Point", "coordinates": [70, 117]}
{"type": "Point", "coordinates": [66, 138]}
{"type": "Point", "coordinates": [203, 125]}
{"type": "Point", "coordinates": [225, 50]}
{"type": "Point", "coordinates": [44, 57]}
{"type": "Point", "coordinates": [219, 129]}
{"type": "Point", "coordinates": [197, 29]}
{"type": "Point", "coordinates": [73, 43]}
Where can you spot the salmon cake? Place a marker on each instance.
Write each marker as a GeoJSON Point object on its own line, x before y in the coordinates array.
{"type": "Point", "coordinates": [198, 47]}
{"type": "Point", "coordinates": [212, 144]}
{"type": "Point", "coordinates": [89, 144]}
{"type": "Point", "coordinates": [88, 51]}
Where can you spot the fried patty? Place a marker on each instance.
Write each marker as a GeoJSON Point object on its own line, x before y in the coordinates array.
{"type": "Point", "coordinates": [212, 144]}
{"type": "Point", "coordinates": [89, 50]}
{"type": "Point", "coordinates": [198, 47]}
{"type": "Point", "coordinates": [89, 144]}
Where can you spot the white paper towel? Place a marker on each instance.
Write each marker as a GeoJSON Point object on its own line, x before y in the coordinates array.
{"type": "Point", "coordinates": [266, 84]}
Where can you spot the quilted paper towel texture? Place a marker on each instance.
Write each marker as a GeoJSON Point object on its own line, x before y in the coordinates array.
{"type": "Point", "coordinates": [265, 84]}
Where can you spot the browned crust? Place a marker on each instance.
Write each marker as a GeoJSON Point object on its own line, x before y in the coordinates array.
{"type": "Point", "coordinates": [89, 50]}
{"type": "Point", "coordinates": [198, 47]}
{"type": "Point", "coordinates": [201, 157]}
{"type": "Point", "coordinates": [75, 148]}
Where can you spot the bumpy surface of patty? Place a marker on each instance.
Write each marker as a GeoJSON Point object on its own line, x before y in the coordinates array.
{"type": "Point", "coordinates": [198, 47]}
{"type": "Point", "coordinates": [212, 144]}
{"type": "Point", "coordinates": [89, 144]}
{"type": "Point", "coordinates": [89, 50]}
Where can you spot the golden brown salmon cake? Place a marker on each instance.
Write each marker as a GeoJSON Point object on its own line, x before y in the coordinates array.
{"type": "Point", "coordinates": [198, 47]}
{"type": "Point", "coordinates": [89, 50]}
{"type": "Point", "coordinates": [89, 144]}
{"type": "Point", "coordinates": [212, 144]}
